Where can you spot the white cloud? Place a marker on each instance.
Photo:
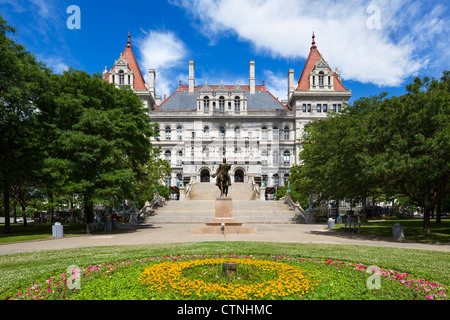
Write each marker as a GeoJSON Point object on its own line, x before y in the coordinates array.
{"type": "Point", "coordinates": [162, 51]}
{"type": "Point", "coordinates": [56, 64]}
{"type": "Point", "coordinates": [283, 28]}
{"type": "Point", "coordinates": [276, 84]}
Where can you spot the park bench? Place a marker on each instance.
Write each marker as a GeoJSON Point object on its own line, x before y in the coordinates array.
{"type": "Point", "coordinates": [352, 226]}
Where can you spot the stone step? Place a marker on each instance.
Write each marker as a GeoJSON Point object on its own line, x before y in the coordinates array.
{"type": "Point", "coordinates": [209, 191]}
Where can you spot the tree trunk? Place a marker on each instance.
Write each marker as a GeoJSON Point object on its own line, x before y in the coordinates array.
{"type": "Point", "coordinates": [373, 205]}
{"type": "Point", "coordinates": [88, 210]}
{"type": "Point", "coordinates": [51, 207]}
{"type": "Point", "coordinates": [438, 211]}
{"type": "Point", "coordinates": [6, 203]}
{"type": "Point", "coordinates": [426, 219]}
{"type": "Point", "coordinates": [24, 214]}
{"type": "Point", "coordinates": [15, 211]}
{"type": "Point", "coordinates": [364, 207]}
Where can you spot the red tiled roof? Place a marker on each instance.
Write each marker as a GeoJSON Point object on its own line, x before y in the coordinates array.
{"type": "Point", "coordinates": [128, 56]}
{"type": "Point", "coordinates": [313, 58]}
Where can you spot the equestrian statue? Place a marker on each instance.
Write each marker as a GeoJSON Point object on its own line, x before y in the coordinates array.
{"type": "Point", "coordinates": [223, 180]}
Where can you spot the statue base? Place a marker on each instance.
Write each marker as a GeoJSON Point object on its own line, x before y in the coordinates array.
{"type": "Point", "coordinates": [224, 223]}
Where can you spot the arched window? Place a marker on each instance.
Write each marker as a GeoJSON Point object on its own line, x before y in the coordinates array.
{"type": "Point", "coordinates": [286, 133]}
{"type": "Point", "coordinates": [168, 156]}
{"type": "Point", "coordinates": [180, 158]}
{"type": "Point", "coordinates": [168, 133]}
{"type": "Point", "coordinates": [264, 133]}
{"type": "Point", "coordinates": [222, 132]}
{"type": "Point", "coordinates": [275, 157]}
{"type": "Point", "coordinates": [321, 78]}
{"type": "Point", "coordinates": [237, 104]}
{"type": "Point", "coordinates": [206, 153]}
{"type": "Point", "coordinates": [179, 133]}
{"type": "Point", "coordinates": [264, 156]}
{"type": "Point", "coordinates": [121, 77]}
{"type": "Point", "coordinates": [206, 132]}
{"type": "Point", "coordinates": [276, 179]}
{"type": "Point", "coordinates": [237, 152]}
{"type": "Point", "coordinates": [222, 152]}
{"type": "Point", "coordinates": [206, 104]}
{"type": "Point", "coordinates": [237, 132]}
{"type": "Point", "coordinates": [275, 133]}
{"type": "Point", "coordinates": [286, 157]}
{"type": "Point", "coordinates": [221, 104]}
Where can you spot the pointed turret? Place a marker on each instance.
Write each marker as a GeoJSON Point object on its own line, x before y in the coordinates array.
{"type": "Point", "coordinates": [313, 58]}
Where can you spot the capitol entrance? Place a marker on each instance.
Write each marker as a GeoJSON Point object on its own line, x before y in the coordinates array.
{"type": "Point", "coordinates": [205, 175]}
{"type": "Point", "coordinates": [239, 175]}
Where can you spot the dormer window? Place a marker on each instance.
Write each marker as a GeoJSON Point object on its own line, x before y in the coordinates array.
{"type": "Point", "coordinates": [321, 78]}
{"type": "Point", "coordinates": [121, 77]}
{"type": "Point", "coordinates": [206, 104]}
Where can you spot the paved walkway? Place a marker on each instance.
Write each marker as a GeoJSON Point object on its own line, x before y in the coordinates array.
{"type": "Point", "coordinates": [178, 233]}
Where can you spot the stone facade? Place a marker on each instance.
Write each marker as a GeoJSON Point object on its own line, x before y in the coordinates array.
{"type": "Point", "coordinates": [258, 134]}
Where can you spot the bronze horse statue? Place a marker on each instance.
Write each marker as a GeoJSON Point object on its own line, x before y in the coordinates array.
{"type": "Point", "coordinates": [223, 178]}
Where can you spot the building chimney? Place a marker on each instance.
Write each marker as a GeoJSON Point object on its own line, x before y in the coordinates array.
{"type": "Point", "coordinates": [191, 76]}
{"type": "Point", "coordinates": [252, 77]}
{"type": "Point", "coordinates": [152, 82]}
{"type": "Point", "coordinates": [291, 83]}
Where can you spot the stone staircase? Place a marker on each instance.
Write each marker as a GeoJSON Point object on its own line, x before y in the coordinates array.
{"type": "Point", "coordinates": [199, 207]}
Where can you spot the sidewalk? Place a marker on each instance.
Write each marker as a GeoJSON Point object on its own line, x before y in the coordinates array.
{"type": "Point", "coordinates": [177, 233]}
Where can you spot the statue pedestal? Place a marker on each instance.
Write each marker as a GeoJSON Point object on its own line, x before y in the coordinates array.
{"type": "Point", "coordinates": [223, 223]}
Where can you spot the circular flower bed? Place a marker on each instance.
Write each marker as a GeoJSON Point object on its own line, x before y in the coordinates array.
{"type": "Point", "coordinates": [258, 277]}
{"type": "Point", "coordinates": [280, 280]}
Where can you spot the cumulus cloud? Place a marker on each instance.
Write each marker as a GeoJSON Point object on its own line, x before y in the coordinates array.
{"type": "Point", "coordinates": [162, 51]}
{"type": "Point", "coordinates": [276, 84]}
{"type": "Point", "coordinates": [57, 64]}
{"type": "Point", "coordinates": [382, 46]}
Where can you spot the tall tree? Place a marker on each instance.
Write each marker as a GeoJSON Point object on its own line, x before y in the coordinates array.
{"type": "Point", "coordinates": [414, 130]}
{"type": "Point", "coordinates": [100, 138]}
{"type": "Point", "coordinates": [22, 80]}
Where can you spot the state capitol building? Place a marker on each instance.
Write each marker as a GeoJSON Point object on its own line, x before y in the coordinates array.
{"type": "Point", "coordinates": [200, 124]}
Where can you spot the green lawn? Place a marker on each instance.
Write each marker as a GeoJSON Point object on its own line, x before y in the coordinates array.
{"type": "Point", "coordinates": [412, 229]}
{"type": "Point", "coordinates": [19, 271]}
{"type": "Point", "coordinates": [37, 231]}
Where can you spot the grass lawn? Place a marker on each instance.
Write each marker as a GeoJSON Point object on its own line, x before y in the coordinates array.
{"type": "Point", "coordinates": [20, 271]}
{"type": "Point", "coordinates": [37, 231]}
{"type": "Point", "coordinates": [412, 229]}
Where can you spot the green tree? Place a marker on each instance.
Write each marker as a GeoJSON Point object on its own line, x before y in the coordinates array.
{"type": "Point", "coordinates": [22, 80]}
{"type": "Point", "coordinates": [384, 148]}
{"type": "Point", "coordinates": [98, 138]}
{"type": "Point", "coordinates": [152, 173]}
{"type": "Point", "coordinates": [414, 130]}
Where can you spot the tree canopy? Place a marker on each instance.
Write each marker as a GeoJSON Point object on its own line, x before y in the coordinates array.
{"type": "Point", "coordinates": [70, 134]}
{"type": "Point", "coordinates": [394, 146]}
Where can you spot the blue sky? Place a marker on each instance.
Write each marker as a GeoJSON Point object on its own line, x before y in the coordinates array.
{"type": "Point", "coordinates": [378, 46]}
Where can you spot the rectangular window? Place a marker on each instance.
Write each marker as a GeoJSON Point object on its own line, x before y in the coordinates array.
{"type": "Point", "coordinates": [325, 108]}
{"type": "Point", "coordinates": [319, 108]}
{"type": "Point", "coordinates": [304, 107]}
{"type": "Point", "coordinates": [339, 108]}
{"type": "Point", "coordinates": [334, 107]}
{"type": "Point", "coordinates": [309, 108]}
